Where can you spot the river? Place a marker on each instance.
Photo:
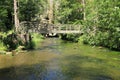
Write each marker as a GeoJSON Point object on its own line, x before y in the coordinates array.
{"type": "Point", "coordinates": [54, 59]}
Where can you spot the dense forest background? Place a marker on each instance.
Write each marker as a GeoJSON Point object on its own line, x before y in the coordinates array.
{"type": "Point", "coordinates": [100, 20]}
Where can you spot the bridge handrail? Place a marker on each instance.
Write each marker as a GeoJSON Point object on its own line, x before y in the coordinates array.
{"type": "Point", "coordinates": [67, 27]}
{"type": "Point", "coordinates": [49, 28]}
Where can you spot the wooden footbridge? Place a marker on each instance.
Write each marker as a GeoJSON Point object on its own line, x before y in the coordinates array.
{"type": "Point", "coordinates": [36, 27]}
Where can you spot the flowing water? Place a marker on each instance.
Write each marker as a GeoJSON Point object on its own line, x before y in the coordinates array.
{"type": "Point", "coordinates": [59, 60]}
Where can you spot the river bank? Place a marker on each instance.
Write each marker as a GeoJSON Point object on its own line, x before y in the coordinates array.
{"type": "Point", "coordinates": [36, 38]}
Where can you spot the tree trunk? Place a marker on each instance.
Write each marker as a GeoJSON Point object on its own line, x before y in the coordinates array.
{"type": "Point", "coordinates": [16, 20]}
{"type": "Point", "coordinates": [50, 13]}
{"type": "Point", "coordinates": [84, 15]}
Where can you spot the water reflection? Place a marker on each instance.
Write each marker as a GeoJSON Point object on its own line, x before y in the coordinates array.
{"type": "Point", "coordinates": [51, 44]}
{"type": "Point", "coordinates": [34, 72]}
{"type": "Point", "coordinates": [54, 71]}
{"type": "Point", "coordinates": [22, 73]}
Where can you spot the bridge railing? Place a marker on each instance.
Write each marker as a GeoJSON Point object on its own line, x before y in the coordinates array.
{"type": "Point", "coordinates": [67, 28]}
{"type": "Point", "coordinates": [37, 27]}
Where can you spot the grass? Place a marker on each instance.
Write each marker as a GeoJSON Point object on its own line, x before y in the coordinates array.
{"type": "Point", "coordinates": [2, 47]}
{"type": "Point", "coordinates": [37, 38]}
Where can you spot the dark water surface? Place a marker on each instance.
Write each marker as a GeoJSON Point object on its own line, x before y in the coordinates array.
{"type": "Point", "coordinates": [57, 60]}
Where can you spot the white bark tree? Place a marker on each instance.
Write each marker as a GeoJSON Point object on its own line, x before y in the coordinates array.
{"type": "Point", "coordinates": [16, 19]}
{"type": "Point", "coordinates": [84, 15]}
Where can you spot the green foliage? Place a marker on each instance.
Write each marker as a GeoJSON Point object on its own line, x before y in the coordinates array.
{"type": "Point", "coordinates": [30, 45]}
{"type": "Point", "coordinates": [69, 11]}
{"type": "Point", "coordinates": [6, 21]}
{"type": "Point", "coordinates": [70, 37]}
{"type": "Point", "coordinates": [11, 41]}
{"type": "Point", "coordinates": [36, 38]}
{"type": "Point", "coordinates": [102, 25]}
{"type": "Point", "coordinates": [6, 10]}
{"type": "Point", "coordinates": [30, 10]}
{"type": "Point", "coordinates": [2, 46]}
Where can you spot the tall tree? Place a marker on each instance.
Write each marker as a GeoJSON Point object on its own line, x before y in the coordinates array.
{"type": "Point", "coordinates": [16, 19]}
{"type": "Point", "coordinates": [84, 15]}
{"type": "Point", "coordinates": [50, 12]}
